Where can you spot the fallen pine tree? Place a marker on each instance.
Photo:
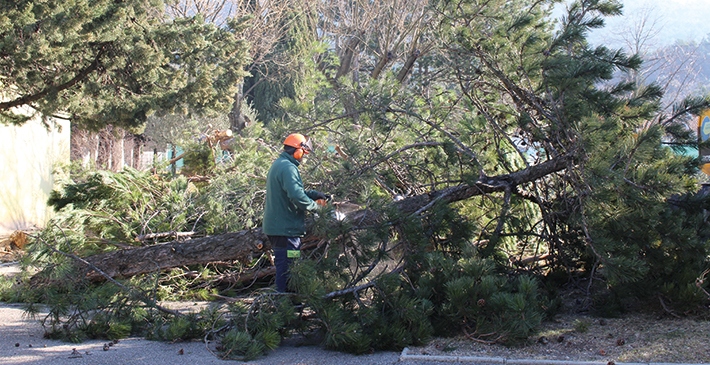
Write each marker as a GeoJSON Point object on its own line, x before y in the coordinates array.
{"type": "Point", "coordinates": [243, 245]}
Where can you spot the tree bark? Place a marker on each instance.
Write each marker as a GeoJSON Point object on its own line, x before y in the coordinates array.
{"type": "Point", "coordinates": [349, 53]}
{"type": "Point", "coordinates": [229, 246]}
{"type": "Point", "coordinates": [408, 64]}
{"type": "Point", "coordinates": [241, 246]}
{"type": "Point", "coordinates": [237, 122]}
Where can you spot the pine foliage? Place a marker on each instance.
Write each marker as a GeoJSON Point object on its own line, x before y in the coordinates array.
{"type": "Point", "coordinates": [104, 211]}
{"type": "Point", "coordinates": [498, 95]}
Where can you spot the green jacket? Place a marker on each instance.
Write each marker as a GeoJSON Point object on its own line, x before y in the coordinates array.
{"type": "Point", "coordinates": [286, 200]}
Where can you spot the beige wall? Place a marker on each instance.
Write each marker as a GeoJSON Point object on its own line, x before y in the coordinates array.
{"type": "Point", "coordinates": [28, 155]}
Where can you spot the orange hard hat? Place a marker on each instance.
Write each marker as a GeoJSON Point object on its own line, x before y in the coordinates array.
{"type": "Point", "coordinates": [299, 141]}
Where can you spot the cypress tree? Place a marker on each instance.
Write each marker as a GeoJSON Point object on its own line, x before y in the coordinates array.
{"type": "Point", "coordinates": [108, 62]}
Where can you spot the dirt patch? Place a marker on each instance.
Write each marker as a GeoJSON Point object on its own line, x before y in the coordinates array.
{"type": "Point", "coordinates": [12, 246]}
{"type": "Point", "coordinates": [633, 338]}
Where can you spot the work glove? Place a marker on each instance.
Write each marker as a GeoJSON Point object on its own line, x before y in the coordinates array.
{"type": "Point", "coordinates": [317, 195]}
{"type": "Point", "coordinates": [320, 198]}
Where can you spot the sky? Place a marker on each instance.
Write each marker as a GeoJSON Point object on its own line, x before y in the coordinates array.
{"type": "Point", "coordinates": [687, 20]}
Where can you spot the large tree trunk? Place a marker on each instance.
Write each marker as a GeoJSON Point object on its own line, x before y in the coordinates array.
{"type": "Point", "coordinates": [229, 246]}
{"type": "Point", "coordinates": [241, 246]}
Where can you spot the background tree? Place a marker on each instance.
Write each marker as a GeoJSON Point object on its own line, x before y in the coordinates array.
{"type": "Point", "coordinates": [270, 63]}
{"type": "Point", "coordinates": [109, 62]}
{"type": "Point", "coordinates": [676, 68]}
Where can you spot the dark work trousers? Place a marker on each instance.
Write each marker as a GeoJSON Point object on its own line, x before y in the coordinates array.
{"type": "Point", "coordinates": [285, 250]}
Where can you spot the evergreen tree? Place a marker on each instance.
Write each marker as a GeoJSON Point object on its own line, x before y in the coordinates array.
{"type": "Point", "coordinates": [504, 92]}
{"type": "Point", "coordinates": [109, 62]}
{"type": "Point", "coordinates": [278, 74]}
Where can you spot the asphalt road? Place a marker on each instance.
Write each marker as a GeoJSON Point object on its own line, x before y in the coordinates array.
{"type": "Point", "coordinates": [22, 343]}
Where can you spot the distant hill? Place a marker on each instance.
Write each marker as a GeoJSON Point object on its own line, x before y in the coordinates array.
{"type": "Point", "coordinates": [682, 69]}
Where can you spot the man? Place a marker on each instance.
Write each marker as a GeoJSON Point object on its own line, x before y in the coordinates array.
{"type": "Point", "coordinates": [286, 206]}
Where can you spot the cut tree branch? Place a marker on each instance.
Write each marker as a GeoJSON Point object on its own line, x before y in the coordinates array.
{"type": "Point", "coordinates": [134, 292]}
